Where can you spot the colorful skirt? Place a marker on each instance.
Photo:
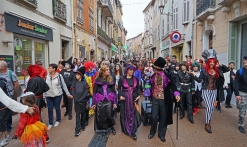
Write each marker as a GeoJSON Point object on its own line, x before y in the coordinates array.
{"type": "Point", "coordinates": [33, 135]}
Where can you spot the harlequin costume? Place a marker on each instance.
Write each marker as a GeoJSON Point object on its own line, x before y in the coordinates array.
{"type": "Point", "coordinates": [30, 130]}
{"type": "Point", "coordinates": [90, 76]}
{"type": "Point", "coordinates": [162, 86]}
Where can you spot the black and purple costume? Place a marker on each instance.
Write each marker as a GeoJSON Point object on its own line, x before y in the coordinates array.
{"type": "Point", "coordinates": [130, 118]}
{"type": "Point", "coordinates": [104, 98]}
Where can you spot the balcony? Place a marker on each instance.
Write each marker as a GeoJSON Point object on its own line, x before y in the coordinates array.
{"type": "Point", "coordinates": [107, 8]}
{"type": "Point", "coordinates": [205, 9]}
{"type": "Point", "coordinates": [32, 3]}
{"type": "Point", "coordinates": [225, 2]}
{"type": "Point", "coordinates": [59, 10]}
{"type": "Point", "coordinates": [203, 5]}
{"type": "Point", "coordinates": [103, 35]}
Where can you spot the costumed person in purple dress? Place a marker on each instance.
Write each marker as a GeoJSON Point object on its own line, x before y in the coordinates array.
{"type": "Point", "coordinates": [129, 94]}
{"type": "Point", "coordinates": [104, 101]}
{"type": "Point", "coordinates": [162, 103]}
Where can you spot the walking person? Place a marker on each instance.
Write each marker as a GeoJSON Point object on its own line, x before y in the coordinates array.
{"type": "Point", "coordinates": [78, 65]}
{"type": "Point", "coordinates": [69, 77]}
{"type": "Point", "coordinates": [209, 76]}
{"type": "Point", "coordinates": [30, 130]}
{"type": "Point", "coordinates": [197, 96]}
{"type": "Point", "coordinates": [162, 87]}
{"type": "Point", "coordinates": [37, 85]}
{"type": "Point", "coordinates": [12, 85]}
{"type": "Point", "coordinates": [80, 93]}
{"type": "Point", "coordinates": [240, 91]}
{"type": "Point", "coordinates": [229, 84]}
{"type": "Point", "coordinates": [174, 74]}
{"type": "Point", "coordinates": [129, 95]}
{"type": "Point", "coordinates": [104, 101]}
{"type": "Point", "coordinates": [186, 86]}
{"type": "Point", "coordinates": [54, 95]}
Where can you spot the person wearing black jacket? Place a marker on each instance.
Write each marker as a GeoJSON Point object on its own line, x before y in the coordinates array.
{"type": "Point", "coordinates": [240, 90]}
{"type": "Point", "coordinates": [80, 92]}
{"type": "Point", "coordinates": [186, 86]}
{"type": "Point", "coordinates": [220, 83]}
{"type": "Point", "coordinates": [69, 78]}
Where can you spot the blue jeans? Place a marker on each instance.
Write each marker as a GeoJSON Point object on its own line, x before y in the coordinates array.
{"type": "Point", "coordinates": [51, 103]}
{"type": "Point", "coordinates": [9, 122]}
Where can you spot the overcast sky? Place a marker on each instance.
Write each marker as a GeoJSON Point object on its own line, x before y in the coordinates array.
{"type": "Point", "coordinates": [133, 18]}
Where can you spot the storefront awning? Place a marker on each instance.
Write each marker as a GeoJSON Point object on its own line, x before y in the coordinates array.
{"type": "Point", "coordinates": [114, 48]}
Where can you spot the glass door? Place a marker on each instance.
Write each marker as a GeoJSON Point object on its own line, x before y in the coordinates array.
{"type": "Point", "coordinates": [39, 52]}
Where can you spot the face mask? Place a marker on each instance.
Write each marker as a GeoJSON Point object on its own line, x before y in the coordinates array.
{"type": "Point", "coordinates": [67, 66]}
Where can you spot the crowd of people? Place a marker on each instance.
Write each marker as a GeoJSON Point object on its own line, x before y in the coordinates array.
{"type": "Point", "coordinates": [101, 90]}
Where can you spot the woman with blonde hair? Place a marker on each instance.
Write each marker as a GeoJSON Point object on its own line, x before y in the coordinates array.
{"type": "Point", "coordinates": [104, 100]}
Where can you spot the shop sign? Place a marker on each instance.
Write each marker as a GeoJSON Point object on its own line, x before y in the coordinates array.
{"type": "Point", "coordinates": [26, 27]}
{"type": "Point", "coordinates": [175, 37]}
{"type": "Point", "coordinates": [9, 59]}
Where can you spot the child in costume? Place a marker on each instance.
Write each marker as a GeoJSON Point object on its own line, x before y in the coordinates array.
{"type": "Point", "coordinates": [80, 90]}
{"type": "Point", "coordinates": [147, 85]}
{"type": "Point", "coordinates": [90, 76]}
{"type": "Point", "coordinates": [30, 130]}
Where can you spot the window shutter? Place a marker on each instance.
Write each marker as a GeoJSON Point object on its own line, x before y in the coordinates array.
{"type": "Point", "coordinates": [188, 10]}
{"type": "Point", "coordinates": [233, 43]}
{"type": "Point", "coordinates": [185, 8]}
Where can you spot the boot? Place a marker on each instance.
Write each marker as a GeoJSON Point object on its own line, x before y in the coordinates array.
{"type": "Point", "coordinates": [175, 110]}
{"type": "Point", "coordinates": [208, 128]}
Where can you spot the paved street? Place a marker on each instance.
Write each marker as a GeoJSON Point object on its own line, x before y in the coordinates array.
{"type": "Point", "coordinates": [224, 127]}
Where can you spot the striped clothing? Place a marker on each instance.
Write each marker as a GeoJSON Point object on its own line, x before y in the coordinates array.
{"type": "Point", "coordinates": [209, 97]}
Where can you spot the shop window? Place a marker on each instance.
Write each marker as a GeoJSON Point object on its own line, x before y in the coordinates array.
{"type": "Point", "coordinates": [23, 54]}
{"type": "Point", "coordinates": [39, 52]}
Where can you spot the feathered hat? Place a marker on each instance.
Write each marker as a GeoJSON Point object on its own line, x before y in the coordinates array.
{"type": "Point", "coordinates": [159, 64]}
{"type": "Point", "coordinates": [208, 54]}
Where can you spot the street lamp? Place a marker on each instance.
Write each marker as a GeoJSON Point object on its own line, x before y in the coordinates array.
{"type": "Point", "coordinates": [161, 7]}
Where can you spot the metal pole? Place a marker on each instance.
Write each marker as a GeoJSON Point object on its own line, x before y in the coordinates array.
{"type": "Point", "coordinates": [177, 120]}
{"type": "Point", "coordinates": [160, 27]}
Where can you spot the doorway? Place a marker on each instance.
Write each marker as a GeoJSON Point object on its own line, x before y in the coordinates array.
{"type": "Point", "coordinates": [207, 39]}
{"type": "Point", "coordinates": [65, 50]}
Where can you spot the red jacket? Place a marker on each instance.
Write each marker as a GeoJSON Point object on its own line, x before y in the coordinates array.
{"type": "Point", "coordinates": [26, 119]}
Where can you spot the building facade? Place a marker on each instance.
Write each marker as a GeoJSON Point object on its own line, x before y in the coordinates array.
{"type": "Point", "coordinates": [147, 38]}
{"type": "Point", "coordinates": [85, 29]}
{"type": "Point", "coordinates": [32, 31]}
{"type": "Point", "coordinates": [135, 46]}
{"type": "Point", "coordinates": [222, 25]}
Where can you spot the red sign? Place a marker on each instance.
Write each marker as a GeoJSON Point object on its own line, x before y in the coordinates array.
{"type": "Point", "coordinates": [175, 37]}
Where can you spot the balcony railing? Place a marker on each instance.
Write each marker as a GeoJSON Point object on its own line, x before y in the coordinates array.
{"type": "Point", "coordinates": [33, 3]}
{"type": "Point", "coordinates": [202, 5]}
{"type": "Point", "coordinates": [59, 10]}
{"type": "Point", "coordinates": [102, 33]}
{"type": "Point", "coordinates": [107, 4]}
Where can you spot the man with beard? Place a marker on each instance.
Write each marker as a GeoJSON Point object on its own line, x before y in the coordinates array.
{"type": "Point", "coordinates": [229, 80]}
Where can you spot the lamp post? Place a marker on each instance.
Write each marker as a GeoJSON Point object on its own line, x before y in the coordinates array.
{"type": "Point", "coordinates": [161, 8]}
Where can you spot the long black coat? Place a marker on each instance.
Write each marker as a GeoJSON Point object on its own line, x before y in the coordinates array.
{"type": "Point", "coordinates": [220, 82]}
{"type": "Point", "coordinates": [168, 90]}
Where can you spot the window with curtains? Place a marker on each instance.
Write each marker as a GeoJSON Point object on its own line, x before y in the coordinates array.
{"type": "Point", "coordinates": [175, 18]}
{"type": "Point", "coordinates": [91, 19]}
{"type": "Point", "coordinates": [163, 27]}
{"type": "Point", "coordinates": [168, 23]}
{"type": "Point", "coordinates": [186, 11]}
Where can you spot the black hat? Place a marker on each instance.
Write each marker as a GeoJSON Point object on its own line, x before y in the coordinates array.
{"type": "Point", "coordinates": [69, 61]}
{"type": "Point", "coordinates": [245, 57]}
{"type": "Point", "coordinates": [81, 71]}
{"type": "Point", "coordinates": [159, 64]}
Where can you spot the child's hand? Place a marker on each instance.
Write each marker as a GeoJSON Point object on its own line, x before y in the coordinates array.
{"type": "Point", "coordinates": [14, 137]}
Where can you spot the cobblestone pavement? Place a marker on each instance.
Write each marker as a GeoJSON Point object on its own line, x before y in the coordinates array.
{"type": "Point", "coordinates": [224, 127]}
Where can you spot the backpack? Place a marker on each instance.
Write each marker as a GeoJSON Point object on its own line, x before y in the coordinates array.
{"type": "Point", "coordinates": [3, 85]}
{"type": "Point", "coordinates": [10, 75]}
{"type": "Point", "coordinates": [241, 72]}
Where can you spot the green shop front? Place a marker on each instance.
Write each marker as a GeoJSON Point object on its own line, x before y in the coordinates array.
{"type": "Point", "coordinates": [30, 42]}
